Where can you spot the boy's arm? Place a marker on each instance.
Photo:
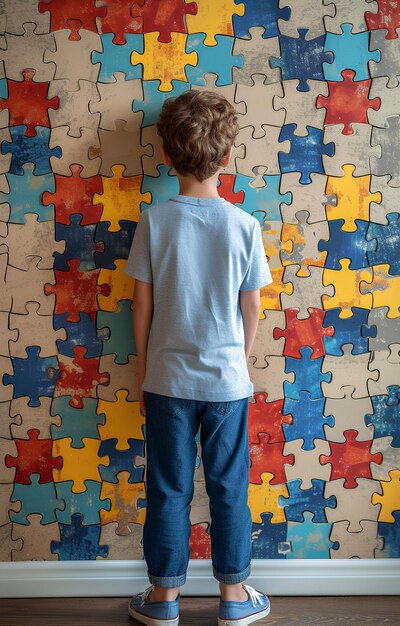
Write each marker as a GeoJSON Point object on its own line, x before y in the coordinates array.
{"type": "Point", "coordinates": [142, 316]}
{"type": "Point", "coordinates": [249, 302]}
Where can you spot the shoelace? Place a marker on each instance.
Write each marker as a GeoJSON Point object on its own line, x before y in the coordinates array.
{"type": "Point", "coordinates": [255, 596]}
{"type": "Point", "coordinates": [146, 595]}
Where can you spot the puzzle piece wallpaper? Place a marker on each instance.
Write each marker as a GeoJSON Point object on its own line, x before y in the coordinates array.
{"type": "Point", "coordinates": [316, 88]}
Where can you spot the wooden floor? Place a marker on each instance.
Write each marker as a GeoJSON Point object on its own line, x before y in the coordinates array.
{"type": "Point", "coordinates": [202, 611]}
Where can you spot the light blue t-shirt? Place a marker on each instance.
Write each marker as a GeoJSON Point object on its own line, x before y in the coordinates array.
{"type": "Point", "coordinates": [198, 253]}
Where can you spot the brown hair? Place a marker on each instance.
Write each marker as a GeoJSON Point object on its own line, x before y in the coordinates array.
{"type": "Point", "coordinates": [198, 129]}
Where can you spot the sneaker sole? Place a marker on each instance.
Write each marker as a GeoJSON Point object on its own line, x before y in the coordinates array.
{"type": "Point", "coordinates": [243, 621]}
{"type": "Point", "coordinates": [153, 621]}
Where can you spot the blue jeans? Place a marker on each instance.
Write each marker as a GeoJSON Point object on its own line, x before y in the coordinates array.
{"type": "Point", "coordinates": [171, 449]}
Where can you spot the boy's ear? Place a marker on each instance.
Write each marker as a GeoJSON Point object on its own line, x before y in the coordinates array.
{"type": "Point", "coordinates": [165, 156]}
{"type": "Point", "coordinates": [228, 157]}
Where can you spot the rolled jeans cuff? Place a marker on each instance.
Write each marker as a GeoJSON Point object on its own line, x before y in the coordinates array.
{"type": "Point", "coordinates": [231, 579]}
{"type": "Point", "coordinates": [167, 581]}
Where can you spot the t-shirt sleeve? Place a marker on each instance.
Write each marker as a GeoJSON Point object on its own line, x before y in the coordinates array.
{"type": "Point", "coordinates": [258, 273]}
{"type": "Point", "coordinates": [138, 264]}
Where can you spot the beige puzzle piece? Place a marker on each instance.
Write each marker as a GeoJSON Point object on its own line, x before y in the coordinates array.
{"type": "Point", "coordinates": [256, 116]}
{"type": "Point", "coordinates": [18, 12]}
{"type": "Point", "coordinates": [8, 547]}
{"type": "Point", "coordinates": [30, 417]}
{"type": "Point", "coordinates": [36, 538]}
{"type": "Point", "coordinates": [20, 52]}
{"type": "Point", "coordinates": [73, 110]}
{"type": "Point", "coordinates": [260, 152]}
{"type": "Point", "coordinates": [299, 106]}
{"type": "Point", "coordinates": [84, 150]}
{"type": "Point", "coordinates": [122, 547]}
{"type": "Point", "coordinates": [7, 446]}
{"type": "Point", "coordinates": [352, 505]}
{"type": "Point", "coordinates": [33, 238]}
{"type": "Point", "coordinates": [6, 334]}
{"type": "Point", "coordinates": [79, 64]}
{"type": "Point", "coordinates": [228, 91]}
{"type": "Point", "coordinates": [264, 342]}
{"type": "Point", "coordinates": [115, 102]}
{"type": "Point", "coordinates": [306, 465]}
{"type": "Point", "coordinates": [349, 413]}
{"type": "Point", "coordinates": [349, 13]}
{"type": "Point", "coordinates": [5, 420]}
{"type": "Point", "coordinates": [122, 376]}
{"type": "Point", "coordinates": [270, 376]}
{"type": "Point", "coordinates": [35, 330]}
{"type": "Point", "coordinates": [307, 292]}
{"type": "Point", "coordinates": [389, 372]}
{"type": "Point", "coordinates": [340, 366]}
{"type": "Point", "coordinates": [121, 147]}
{"type": "Point", "coordinates": [28, 286]}
{"type": "Point", "coordinates": [390, 199]}
{"type": "Point", "coordinates": [359, 545]}
{"type": "Point", "coordinates": [390, 458]}
{"type": "Point", "coordinates": [6, 504]}
{"type": "Point", "coordinates": [6, 391]}
{"type": "Point", "coordinates": [257, 53]}
{"type": "Point", "coordinates": [309, 15]}
{"type": "Point", "coordinates": [358, 145]}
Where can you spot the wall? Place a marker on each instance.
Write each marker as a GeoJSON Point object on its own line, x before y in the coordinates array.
{"type": "Point", "coordinates": [315, 161]}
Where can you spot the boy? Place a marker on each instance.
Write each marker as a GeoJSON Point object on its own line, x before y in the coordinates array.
{"type": "Point", "coordinates": [199, 263]}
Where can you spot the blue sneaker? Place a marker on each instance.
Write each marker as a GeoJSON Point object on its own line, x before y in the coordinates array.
{"type": "Point", "coordinates": [232, 613]}
{"type": "Point", "coordinates": [164, 613]}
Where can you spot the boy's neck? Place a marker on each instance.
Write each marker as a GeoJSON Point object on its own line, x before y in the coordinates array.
{"type": "Point", "coordinates": [190, 186]}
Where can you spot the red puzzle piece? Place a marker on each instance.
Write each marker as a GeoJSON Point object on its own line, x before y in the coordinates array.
{"type": "Point", "coordinates": [225, 189]}
{"type": "Point", "coordinates": [79, 377]}
{"type": "Point", "coordinates": [34, 457]}
{"type": "Point", "coordinates": [74, 194]}
{"type": "Point", "coordinates": [351, 460]}
{"type": "Point", "coordinates": [76, 292]}
{"type": "Point", "coordinates": [163, 17]}
{"type": "Point", "coordinates": [388, 17]}
{"type": "Point", "coordinates": [304, 332]}
{"type": "Point", "coordinates": [267, 417]}
{"type": "Point", "coordinates": [77, 14]}
{"type": "Point", "coordinates": [268, 457]}
{"type": "Point", "coordinates": [27, 102]}
{"type": "Point", "coordinates": [200, 542]}
{"type": "Point", "coordinates": [348, 102]}
{"type": "Point", "coordinates": [119, 21]}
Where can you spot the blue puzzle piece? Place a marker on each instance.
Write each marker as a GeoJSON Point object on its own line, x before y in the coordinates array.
{"type": "Point", "coordinates": [391, 534]}
{"type": "Point", "coordinates": [34, 376]}
{"type": "Point", "coordinates": [266, 199]}
{"type": "Point", "coordinates": [3, 89]}
{"type": "Point", "coordinates": [121, 339]}
{"type": "Point", "coordinates": [121, 460]}
{"type": "Point", "coordinates": [386, 415]}
{"type": "Point", "coordinates": [305, 153]}
{"type": "Point", "coordinates": [308, 420]}
{"type": "Point", "coordinates": [78, 542]}
{"type": "Point", "coordinates": [308, 375]}
{"type": "Point", "coordinates": [116, 243]}
{"type": "Point", "coordinates": [117, 58]}
{"type": "Point", "coordinates": [260, 13]}
{"type": "Point", "coordinates": [352, 329]}
{"type": "Point", "coordinates": [81, 333]}
{"type": "Point", "coordinates": [76, 423]}
{"type": "Point", "coordinates": [79, 244]}
{"type": "Point", "coordinates": [40, 498]}
{"type": "Point", "coordinates": [309, 540]}
{"type": "Point", "coordinates": [267, 538]}
{"type": "Point", "coordinates": [162, 187]}
{"type": "Point", "coordinates": [347, 244]}
{"type": "Point", "coordinates": [153, 99]}
{"type": "Point", "coordinates": [387, 239]}
{"type": "Point", "coordinates": [351, 52]}
{"type": "Point", "coordinates": [311, 500]}
{"type": "Point", "coordinates": [30, 150]}
{"type": "Point", "coordinates": [87, 503]}
{"type": "Point", "coordinates": [215, 59]}
{"type": "Point", "coordinates": [302, 59]}
{"type": "Point", "coordinates": [25, 195]}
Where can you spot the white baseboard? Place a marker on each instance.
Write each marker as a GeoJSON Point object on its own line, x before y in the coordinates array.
{"type": "Point", "coordinates": [308, 577]}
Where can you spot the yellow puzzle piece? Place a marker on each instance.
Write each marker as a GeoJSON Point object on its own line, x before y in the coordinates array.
{"type": "Point", "coordinates": [123, 420]}
{"type": "Point", "coordinates": [213, 18]}
{"type": "Point", "coordinates": [79, 464]}
{"type": "Point", "coordinates": [264, 499]}
{"type": "Point", "coordinates": [121, 286]}
{"type": "Point", "coordinates": [164, 61]}
{"type": "Point", "coordinates": [390, 500]}
{"type": "Point", "coordinates": [353, 198]}
{"type": "Point", "coordinates": [124, 498]}
{"type": "Point", "coordinates": [384, 288]}
{"type": "Point", "coordinates": [270, 295]}
{"type": "Point", "coordinates": [347, 289]}
{"type": "Point", "coordinates": [121, 198]}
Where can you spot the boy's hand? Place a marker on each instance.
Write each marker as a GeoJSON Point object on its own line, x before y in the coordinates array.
{"type": "Point", "coordinates": [142, 400]}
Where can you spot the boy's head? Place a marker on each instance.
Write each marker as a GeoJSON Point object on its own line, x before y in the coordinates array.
{"type": "Point", "coordinates": [198, 129]}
